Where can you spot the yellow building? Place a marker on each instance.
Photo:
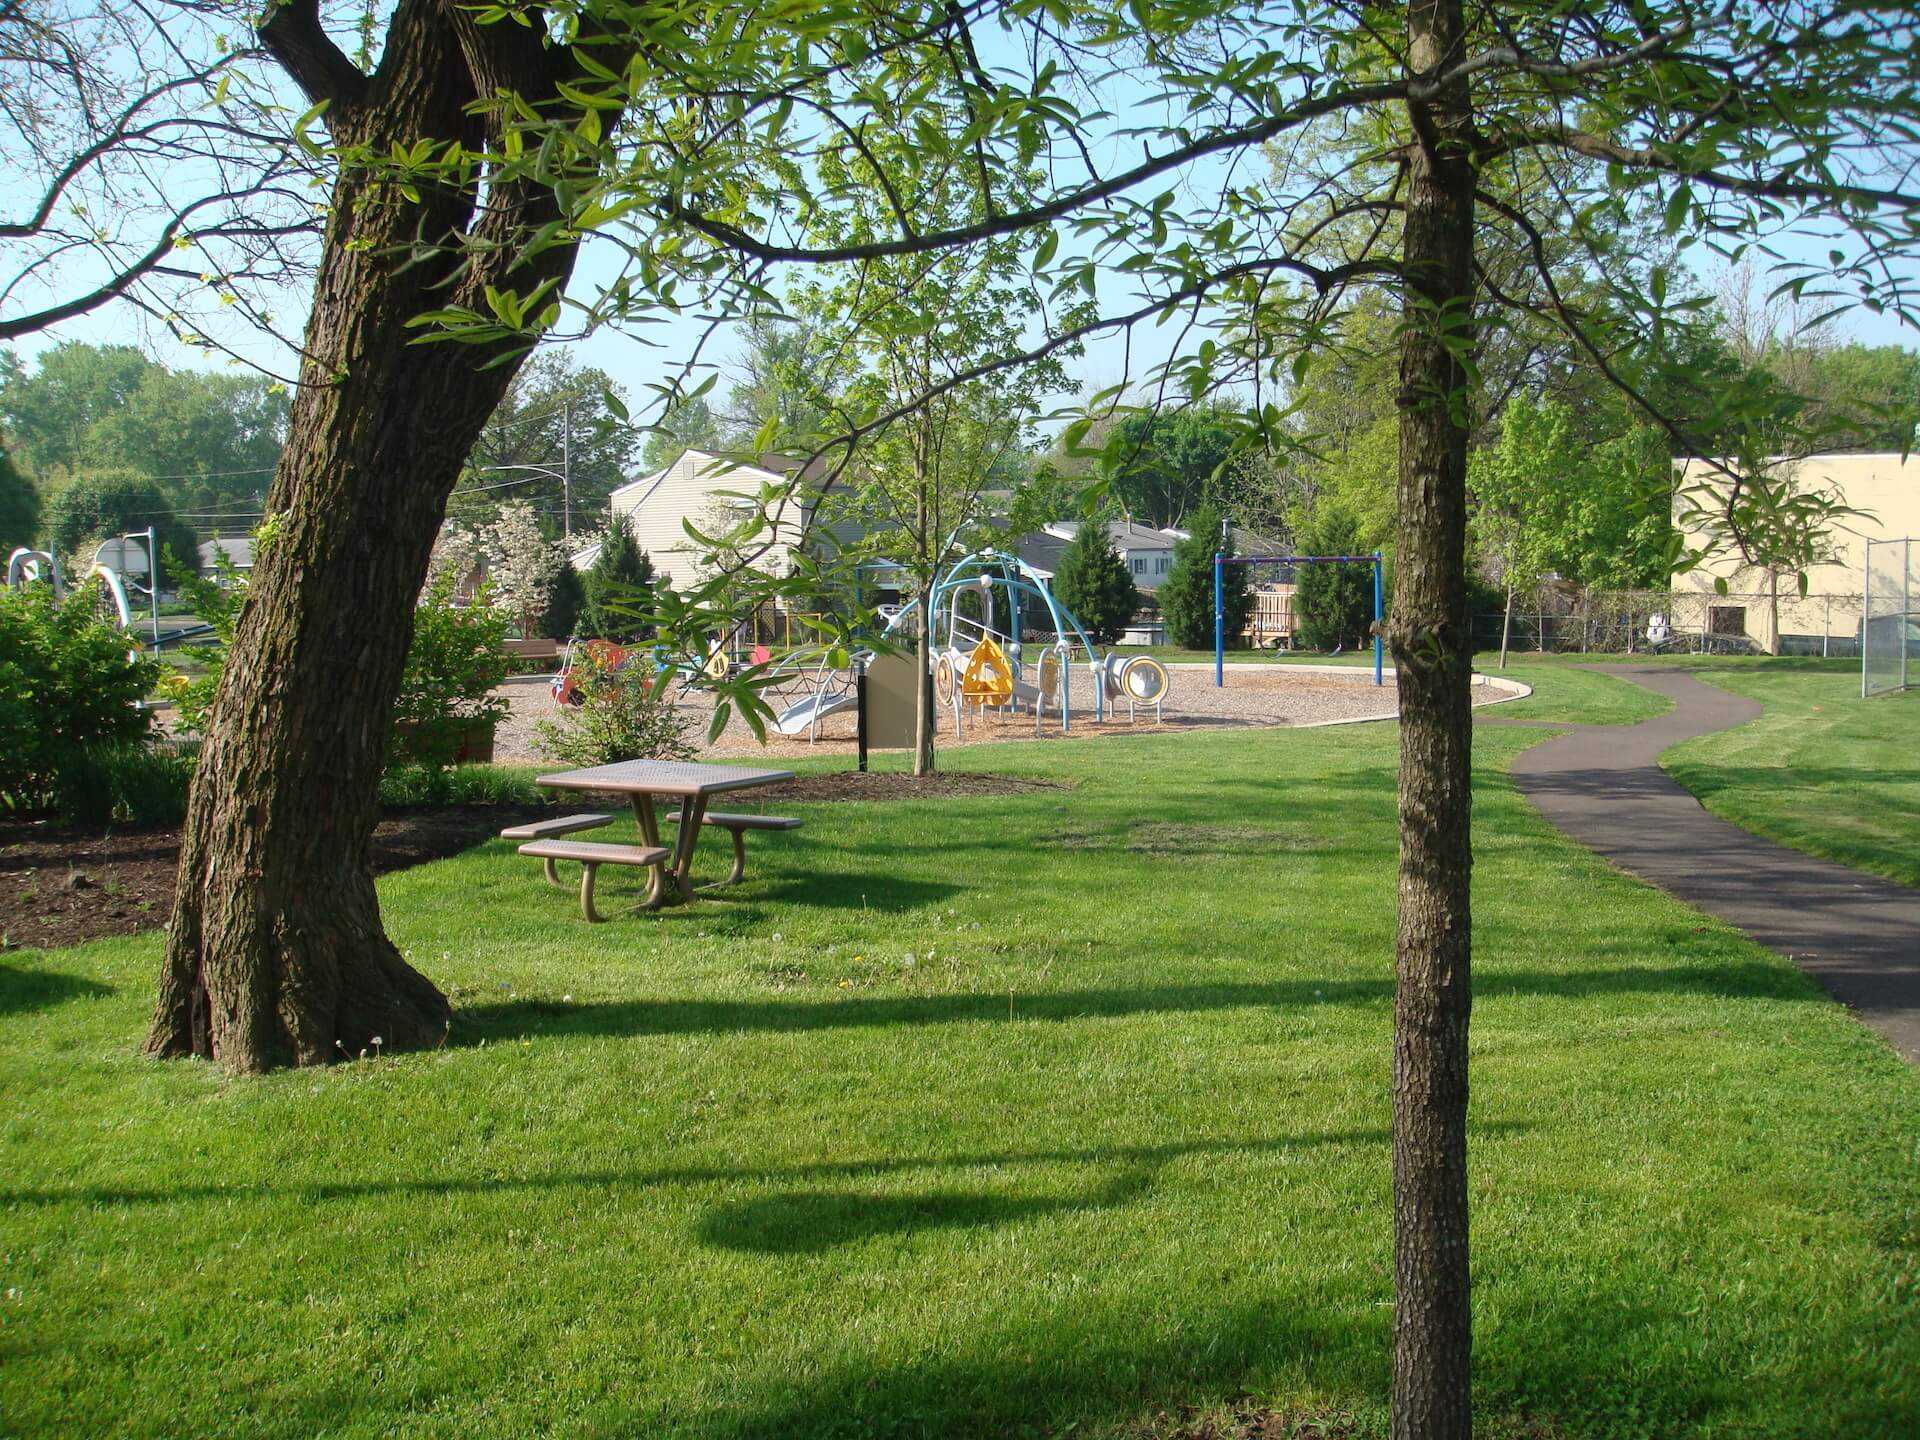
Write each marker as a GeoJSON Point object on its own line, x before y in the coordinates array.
{"type": "Point", "coordinates": [1885, 489]}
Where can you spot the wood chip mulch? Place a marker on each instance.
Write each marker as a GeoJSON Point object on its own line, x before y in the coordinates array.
{"type": "Point", "coordinates": [61, 885]}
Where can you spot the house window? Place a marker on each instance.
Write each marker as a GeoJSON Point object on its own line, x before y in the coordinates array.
{"type": "Point", "coordinates": [1160, 566]}
{"type": "Point", "coordinates": [1727, 619]}
{"type": "Point", "coordinates": [1139, 566]}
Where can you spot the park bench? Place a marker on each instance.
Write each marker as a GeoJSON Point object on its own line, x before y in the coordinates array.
{"type": "Point", "coordinates": [737, 826]}
{"type": "Point", "coordinates": [592, 855]}
{"type": "Point", "coordinates": [552, 830]}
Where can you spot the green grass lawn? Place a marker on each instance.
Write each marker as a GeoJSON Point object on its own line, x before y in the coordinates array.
{"type": "Point", "coordinates": [1823, 770]}
{"type": "Point", "coordinates": [1036, 1114]}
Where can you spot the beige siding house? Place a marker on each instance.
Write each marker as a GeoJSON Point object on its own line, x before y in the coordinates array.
{"type": "Point", "coordinates": [696, 487]}
{"type": "Point", "coordinates": [1882, 486]}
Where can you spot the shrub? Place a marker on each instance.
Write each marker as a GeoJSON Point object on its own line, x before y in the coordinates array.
{"type": "Point", "coordinates": [67, 681]}
{"type": "Point", "coordinates": [19, 507]}
{"type": "Point", "coordinates": [137, 784]}
{"type": "Point", "coordinates": [1332, 604]}
{"type": "Point", "coordinates": [623, 715]}
{"type": "Point", "coordinates": [456, 661]}
{"type": "Point", "coordinates": [406, 786]}
{"type": "Point", "coordinates": [217, 602]}
{"type": "Point", "coordinates": [1186, 598]}
{"type": "Point", "coordinates": [1093, 583]}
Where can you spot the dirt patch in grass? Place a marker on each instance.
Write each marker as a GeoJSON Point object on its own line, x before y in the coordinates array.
{"type": "Point", "coordinates": [897, 785]}
{"type": "Point", "coordinates": [1176, 838]}
{"type": "Point", "coordinates": [60, 885]}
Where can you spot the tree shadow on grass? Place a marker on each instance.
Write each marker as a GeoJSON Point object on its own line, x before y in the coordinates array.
{"type": "Point", "coordinates": [476, 1024]}
{"type": "Point", "coordinates": [24, 990]}
{"type": "Point", "coordinates": [1088, 1367]}
{"type": "Point", "coordinates": [801, 1222]}
{"type": "Point", "coordinates": [825, 890]}
{"type": "Point", "coordinates": [1136, 1158]}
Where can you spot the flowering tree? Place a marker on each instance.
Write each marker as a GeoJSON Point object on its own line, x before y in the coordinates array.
{"type": "Point", "coordinates": [521, 563]}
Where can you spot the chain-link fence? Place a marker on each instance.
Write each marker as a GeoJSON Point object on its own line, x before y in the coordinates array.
{"type": "Point", "coordinates": [1891, 634]}
{"type": "Point", "coordinates": [1644, 622]}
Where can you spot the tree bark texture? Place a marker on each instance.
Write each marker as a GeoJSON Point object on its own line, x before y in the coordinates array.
{"type": "Point", "coordinates": [276, 952]}
{"type": "Point", "coordinates": [1432, 653]}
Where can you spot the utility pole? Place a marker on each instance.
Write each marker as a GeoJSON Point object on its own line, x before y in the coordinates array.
{"type": "Point", "coordinates": [566, 468]}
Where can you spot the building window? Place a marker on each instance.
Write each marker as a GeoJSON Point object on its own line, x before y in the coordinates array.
{"type": "Point", "coordinates": [1727, 619]}
{"type": "Point", "coordinates": [1139, 566]}
{"type": "Point", "coordinates": [1160, 566]}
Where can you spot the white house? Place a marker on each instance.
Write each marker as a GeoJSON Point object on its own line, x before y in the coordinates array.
{"type": "Point", "coordinates": [700, 487]}
{"type": "Point", "coordinates": [1147, 552]}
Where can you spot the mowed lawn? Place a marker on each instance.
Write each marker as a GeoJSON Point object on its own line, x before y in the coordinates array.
{"type": "Point", "coordinates": [1038, 1114]}
{"type": "Point", "coordinates": [1823, 770]}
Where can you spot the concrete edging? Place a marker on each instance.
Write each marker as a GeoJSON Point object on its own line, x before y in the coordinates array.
{"type": "Point", "coordinates": [1360, 674]}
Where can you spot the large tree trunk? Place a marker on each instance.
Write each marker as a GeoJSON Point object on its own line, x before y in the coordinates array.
{"type": "Point", "coordinates": [276, 952]}
{"type": "Point", "coordinates": [1432, 653]}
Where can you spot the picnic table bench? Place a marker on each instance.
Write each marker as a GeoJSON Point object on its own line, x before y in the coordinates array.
{"type": "Point", "coordinates": [642, 781]}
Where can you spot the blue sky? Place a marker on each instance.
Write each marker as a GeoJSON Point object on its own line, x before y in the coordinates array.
{"type": "Point", "coordinates": [636, 364]}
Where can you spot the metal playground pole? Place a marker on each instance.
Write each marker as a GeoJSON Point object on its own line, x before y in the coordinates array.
{"type": "Point", "coordinates": [1219, 620]}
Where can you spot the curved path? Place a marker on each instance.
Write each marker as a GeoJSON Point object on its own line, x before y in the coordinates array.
{"type": "Point", "coordinates": [1858, 935]}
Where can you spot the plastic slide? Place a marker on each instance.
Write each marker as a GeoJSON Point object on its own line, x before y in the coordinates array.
{"type": "Point", "coordinates": [803, 715]}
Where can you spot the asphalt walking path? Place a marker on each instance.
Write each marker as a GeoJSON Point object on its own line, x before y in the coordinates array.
{"type": "Point", "coordinates": [1857, 934]}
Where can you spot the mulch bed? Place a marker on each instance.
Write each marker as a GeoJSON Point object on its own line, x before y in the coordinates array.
{"type": "Point", "coordinates": [60, 885]}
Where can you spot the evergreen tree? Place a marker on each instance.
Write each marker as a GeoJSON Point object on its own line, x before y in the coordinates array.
{"type": "Point", "coordinates": [566, 601]}
{"type": "Point", "coordinates": [1186, 599]}
{"type": "Point", "coordinates": [19, 507]}
{"type": "Point", "coordinates": [1093, 584]}
{"type": "Point", "coordinates": [619, 587]}
{"type": "Point", "coordinates": [1332, 604]}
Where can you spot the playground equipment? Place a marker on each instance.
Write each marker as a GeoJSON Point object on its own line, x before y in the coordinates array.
{"type": "Point", "coordinates": [1222, 560]}
{"type": "Point", "coordinates": [980, 665]}
{"type": "Point", "coordinates": [814, 688]}
{"type": "Point", "coordinates": [29, 567]}
{"type": "Point", "coordinates": [977, 664]}
{"type": "Point", "coordinates": [123, 576]}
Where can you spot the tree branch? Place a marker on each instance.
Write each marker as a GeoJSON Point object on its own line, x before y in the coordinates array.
{"type": "Point", "coordinates": [735, 238]}
{"type": "Point", "coordinates": [294, 36]}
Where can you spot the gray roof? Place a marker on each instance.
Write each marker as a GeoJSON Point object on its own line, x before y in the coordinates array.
{"type": "Point", "coordinates": [1126, 534]}
{"type": "Point", "coordinates": [237, 548]}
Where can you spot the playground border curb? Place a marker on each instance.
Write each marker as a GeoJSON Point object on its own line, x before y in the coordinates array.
{"type": "Point", "coordinates": [1360, 674]}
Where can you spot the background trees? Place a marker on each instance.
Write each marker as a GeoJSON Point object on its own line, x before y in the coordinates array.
{"type": "Point", "coordinates": [115, 502]}
{"type": "Point", "coordinates": [209, 441]}
{"type": "Point", "coordinates": [558, 419]}
{"type": "Point", "coordinates": [1093, 583]}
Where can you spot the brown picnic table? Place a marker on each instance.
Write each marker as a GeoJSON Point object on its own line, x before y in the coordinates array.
{"type": "Point", "coordinates": [691, 783]}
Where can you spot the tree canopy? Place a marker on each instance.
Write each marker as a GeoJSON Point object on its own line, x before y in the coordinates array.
{"type": "Point", "coordinates": [209, 441]}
